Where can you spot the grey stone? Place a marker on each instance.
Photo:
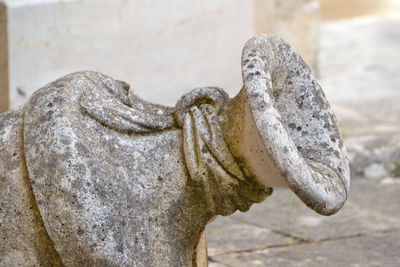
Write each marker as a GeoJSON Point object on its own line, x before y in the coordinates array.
{"type": "Point", "coordinates": [359, 66]}
{"type": "Point", "coordinates": [226, 234]}
{"type": "Point", "coordinates": [296, 126]}
{"type": "Point", "coordinates": [374, 250]}
{"type": "Point", "coordinates": [371, 207]}
{"type": "Point", "coordinates": [113, 180]}
{"type": "Point", "coordinates": [364, 233]}
{"type": "Point", "coordinates": [375, 156]}
{"type": "Point", "coordinates": [24, 239]}
{"type": "Point", "coordinates": [375, 171]}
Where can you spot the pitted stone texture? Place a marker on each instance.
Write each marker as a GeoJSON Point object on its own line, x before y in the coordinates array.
{"type": "Point", "coordinates": [116, 194]}
{"type": "Point", "coordinates": [298, 129]}
{"type": "Point", "coordinates": [106, 197]}
{"type": "Point", "coordinates": [23, 239]}
{"type": "Point", "coordinates": [120, 181]}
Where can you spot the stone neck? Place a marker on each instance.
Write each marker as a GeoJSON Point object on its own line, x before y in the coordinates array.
{"type": "Point", "coordinates": [244, 141]}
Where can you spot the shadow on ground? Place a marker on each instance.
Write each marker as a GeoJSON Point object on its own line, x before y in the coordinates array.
{"type": "Point", "coordinates": [282, 231]}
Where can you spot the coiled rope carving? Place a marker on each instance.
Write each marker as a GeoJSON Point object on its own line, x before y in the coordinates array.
{"type": "Point", "coordinates": [210, 163]}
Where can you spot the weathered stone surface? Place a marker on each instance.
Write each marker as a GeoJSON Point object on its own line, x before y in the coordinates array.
{"type": "Point", "coordinates": [296, 126]}
{"type": "Point", "coordinates": [107, 197]}
{"type": "Point", "coordinates": [119, 181]}
{"type": "Point", "coordinates": [24, 239]}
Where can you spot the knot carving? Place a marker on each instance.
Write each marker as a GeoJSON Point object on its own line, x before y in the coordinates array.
{"type": "Point", "coordinates": [93, 175]}
{"type": "Point", "coordinates": [281, 105]}
{"type": "Point", "coordinates": [211, 165]}
{"type": "Point", "coordinates": [212, 168]}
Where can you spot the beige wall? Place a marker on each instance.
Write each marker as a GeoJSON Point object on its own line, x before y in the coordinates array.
{"type": "Point", "coordinates": [3, 59]}
{"type": "Point", "coordinates": [341, 9]}
{"type": "Point", "coordinates": [162, 48]}
{"type": "Point", "coordinates": [296, 21]}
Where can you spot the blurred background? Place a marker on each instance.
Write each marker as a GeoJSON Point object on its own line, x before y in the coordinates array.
{"type": "Point", "coordinates": [165, 48]}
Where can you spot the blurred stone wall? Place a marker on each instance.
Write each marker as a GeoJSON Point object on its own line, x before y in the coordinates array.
{"type": "Point", "coordinates": [359, 67]}
{"type": "Point", "coordinates": [347, 9]}
{"type": "Point", "coordinates": [297, 21]}
{"type": "Point", "coordinates": [162, 48]}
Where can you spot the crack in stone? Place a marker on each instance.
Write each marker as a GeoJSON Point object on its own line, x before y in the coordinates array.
{"type": "Point", "coordinates": [259, 248]}
{"type": "Point", "coordinates": [211, 259]}
{"type": "Point", "coordinates": [386, 231]}
{"type": "Point", "coordinates": [279, 232]}
{"type": "Point", "coordinates": [300, 241]}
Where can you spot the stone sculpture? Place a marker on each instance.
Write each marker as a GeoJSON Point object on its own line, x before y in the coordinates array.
{"type": "Point", "coordinates": [92, 175]}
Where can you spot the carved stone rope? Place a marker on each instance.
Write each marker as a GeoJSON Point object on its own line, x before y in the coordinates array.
{"type": "Point", "coordinates": [211, 165]}
{"type": "Point", "coordinates": [212, 168]}
{"type": "Point", "coordinates": [100, 177]}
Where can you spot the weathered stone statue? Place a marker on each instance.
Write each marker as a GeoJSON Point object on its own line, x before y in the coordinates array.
{"type": "Point", "coordinates": [92, 175]}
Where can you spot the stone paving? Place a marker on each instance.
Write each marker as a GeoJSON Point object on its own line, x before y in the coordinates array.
{"type": "Point", "coordinates": [282, 231]}
{"type": "Point", "coordinates": [360, 72]}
